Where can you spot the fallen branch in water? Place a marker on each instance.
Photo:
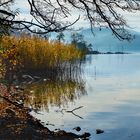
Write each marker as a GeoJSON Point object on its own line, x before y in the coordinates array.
{"type": "Point", "coordinates": [72, 111]}
{"type": "Point", "coordinates": [76, 115]}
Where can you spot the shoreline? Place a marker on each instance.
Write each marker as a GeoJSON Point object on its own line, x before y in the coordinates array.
{"type": "Point", "coordinates": [98, 52]}
{"type": "Point", "coordinates": [17, 123]}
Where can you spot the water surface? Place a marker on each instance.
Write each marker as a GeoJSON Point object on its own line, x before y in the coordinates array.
{"type": "Point", "coordinates": [109, 93]}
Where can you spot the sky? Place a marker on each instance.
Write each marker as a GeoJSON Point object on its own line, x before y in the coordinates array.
{"type": "Point", "coordinates": [133, 19]}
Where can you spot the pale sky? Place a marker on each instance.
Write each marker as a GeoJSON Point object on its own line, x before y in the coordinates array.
{"type": "Point", "coordinates": [133, 19]}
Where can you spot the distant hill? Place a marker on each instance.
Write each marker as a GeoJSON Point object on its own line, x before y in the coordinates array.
{"type": "Point", "coordinates": [104, 41]}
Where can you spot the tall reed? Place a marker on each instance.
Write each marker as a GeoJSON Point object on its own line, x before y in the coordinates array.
{"type": "Point", "coordinates": [37, 54]}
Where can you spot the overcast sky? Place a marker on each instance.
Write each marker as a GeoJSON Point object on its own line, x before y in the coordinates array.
{"type": "Point", "coordinates": [133, 19]}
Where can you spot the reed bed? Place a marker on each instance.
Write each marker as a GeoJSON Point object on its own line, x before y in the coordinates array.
{"type": "Point", "coordinates": [34, 54]}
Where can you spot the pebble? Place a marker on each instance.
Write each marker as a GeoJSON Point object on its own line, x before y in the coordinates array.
{"type": "Point", "coordinates": [99, 131]}
{"type": "Point", "coordinates": [77, 128]}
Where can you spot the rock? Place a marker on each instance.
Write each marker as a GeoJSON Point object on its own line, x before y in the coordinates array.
{"type": "Point", "coordinates": [57, 129]}
{"type": "Point", "coordinates": [77, 128]}
{"type": "Point", "coordinates": [99, 131]}
{"type": "Point", "coordinates": [61, 132]}
{"type": "Point", "coordinates": [85, 135]}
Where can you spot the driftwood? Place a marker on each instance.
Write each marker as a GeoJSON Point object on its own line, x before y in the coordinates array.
{"type": "Point", "coordinates": [74, 109]}
{"type": "Point", "coordinates": [71, 111]}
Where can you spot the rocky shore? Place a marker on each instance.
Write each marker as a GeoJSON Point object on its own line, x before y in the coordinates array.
{"type": "Point", "coordinates": [17, 124]}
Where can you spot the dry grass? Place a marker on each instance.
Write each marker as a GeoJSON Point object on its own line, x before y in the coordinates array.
{"type": "Point", "coordinates": [34, 53]}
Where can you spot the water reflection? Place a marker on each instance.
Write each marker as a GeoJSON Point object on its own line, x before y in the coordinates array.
{"type": "Point", "coordinates": [54, 93]}
{"type": "Point", "coordinates": [112, 103]}
{"type": "Point", "coordinates": [112, 83]}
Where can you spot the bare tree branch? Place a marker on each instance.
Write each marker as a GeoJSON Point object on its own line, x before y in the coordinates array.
{"type": "Point", "coordinates": [53, 15]}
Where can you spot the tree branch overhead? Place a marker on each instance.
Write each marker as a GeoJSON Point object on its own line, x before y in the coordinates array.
{"type": "Point", "coordinates": [53, 15]}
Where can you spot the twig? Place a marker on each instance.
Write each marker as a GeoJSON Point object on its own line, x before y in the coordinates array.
{"type": "Point", "coordinates": [74, 109]}
{"type": "Point", "coordinates": [76, 115]}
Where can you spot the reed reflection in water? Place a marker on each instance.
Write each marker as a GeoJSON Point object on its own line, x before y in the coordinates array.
{"type": "Point", "coordinates": [54, 93]}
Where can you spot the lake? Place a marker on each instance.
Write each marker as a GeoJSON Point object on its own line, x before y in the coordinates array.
{"type": "Point", "coordinates": [106, 96]}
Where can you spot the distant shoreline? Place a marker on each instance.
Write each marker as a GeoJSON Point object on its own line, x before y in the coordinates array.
{"type": "Point", "coordinates": [97, 52]}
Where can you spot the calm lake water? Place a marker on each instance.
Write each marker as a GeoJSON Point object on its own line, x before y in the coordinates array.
{"type": "Point", "coordinates": [109, 93]}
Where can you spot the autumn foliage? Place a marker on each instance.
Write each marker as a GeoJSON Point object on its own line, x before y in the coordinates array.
{"type": "Point", "coordinates": [34, 53]}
